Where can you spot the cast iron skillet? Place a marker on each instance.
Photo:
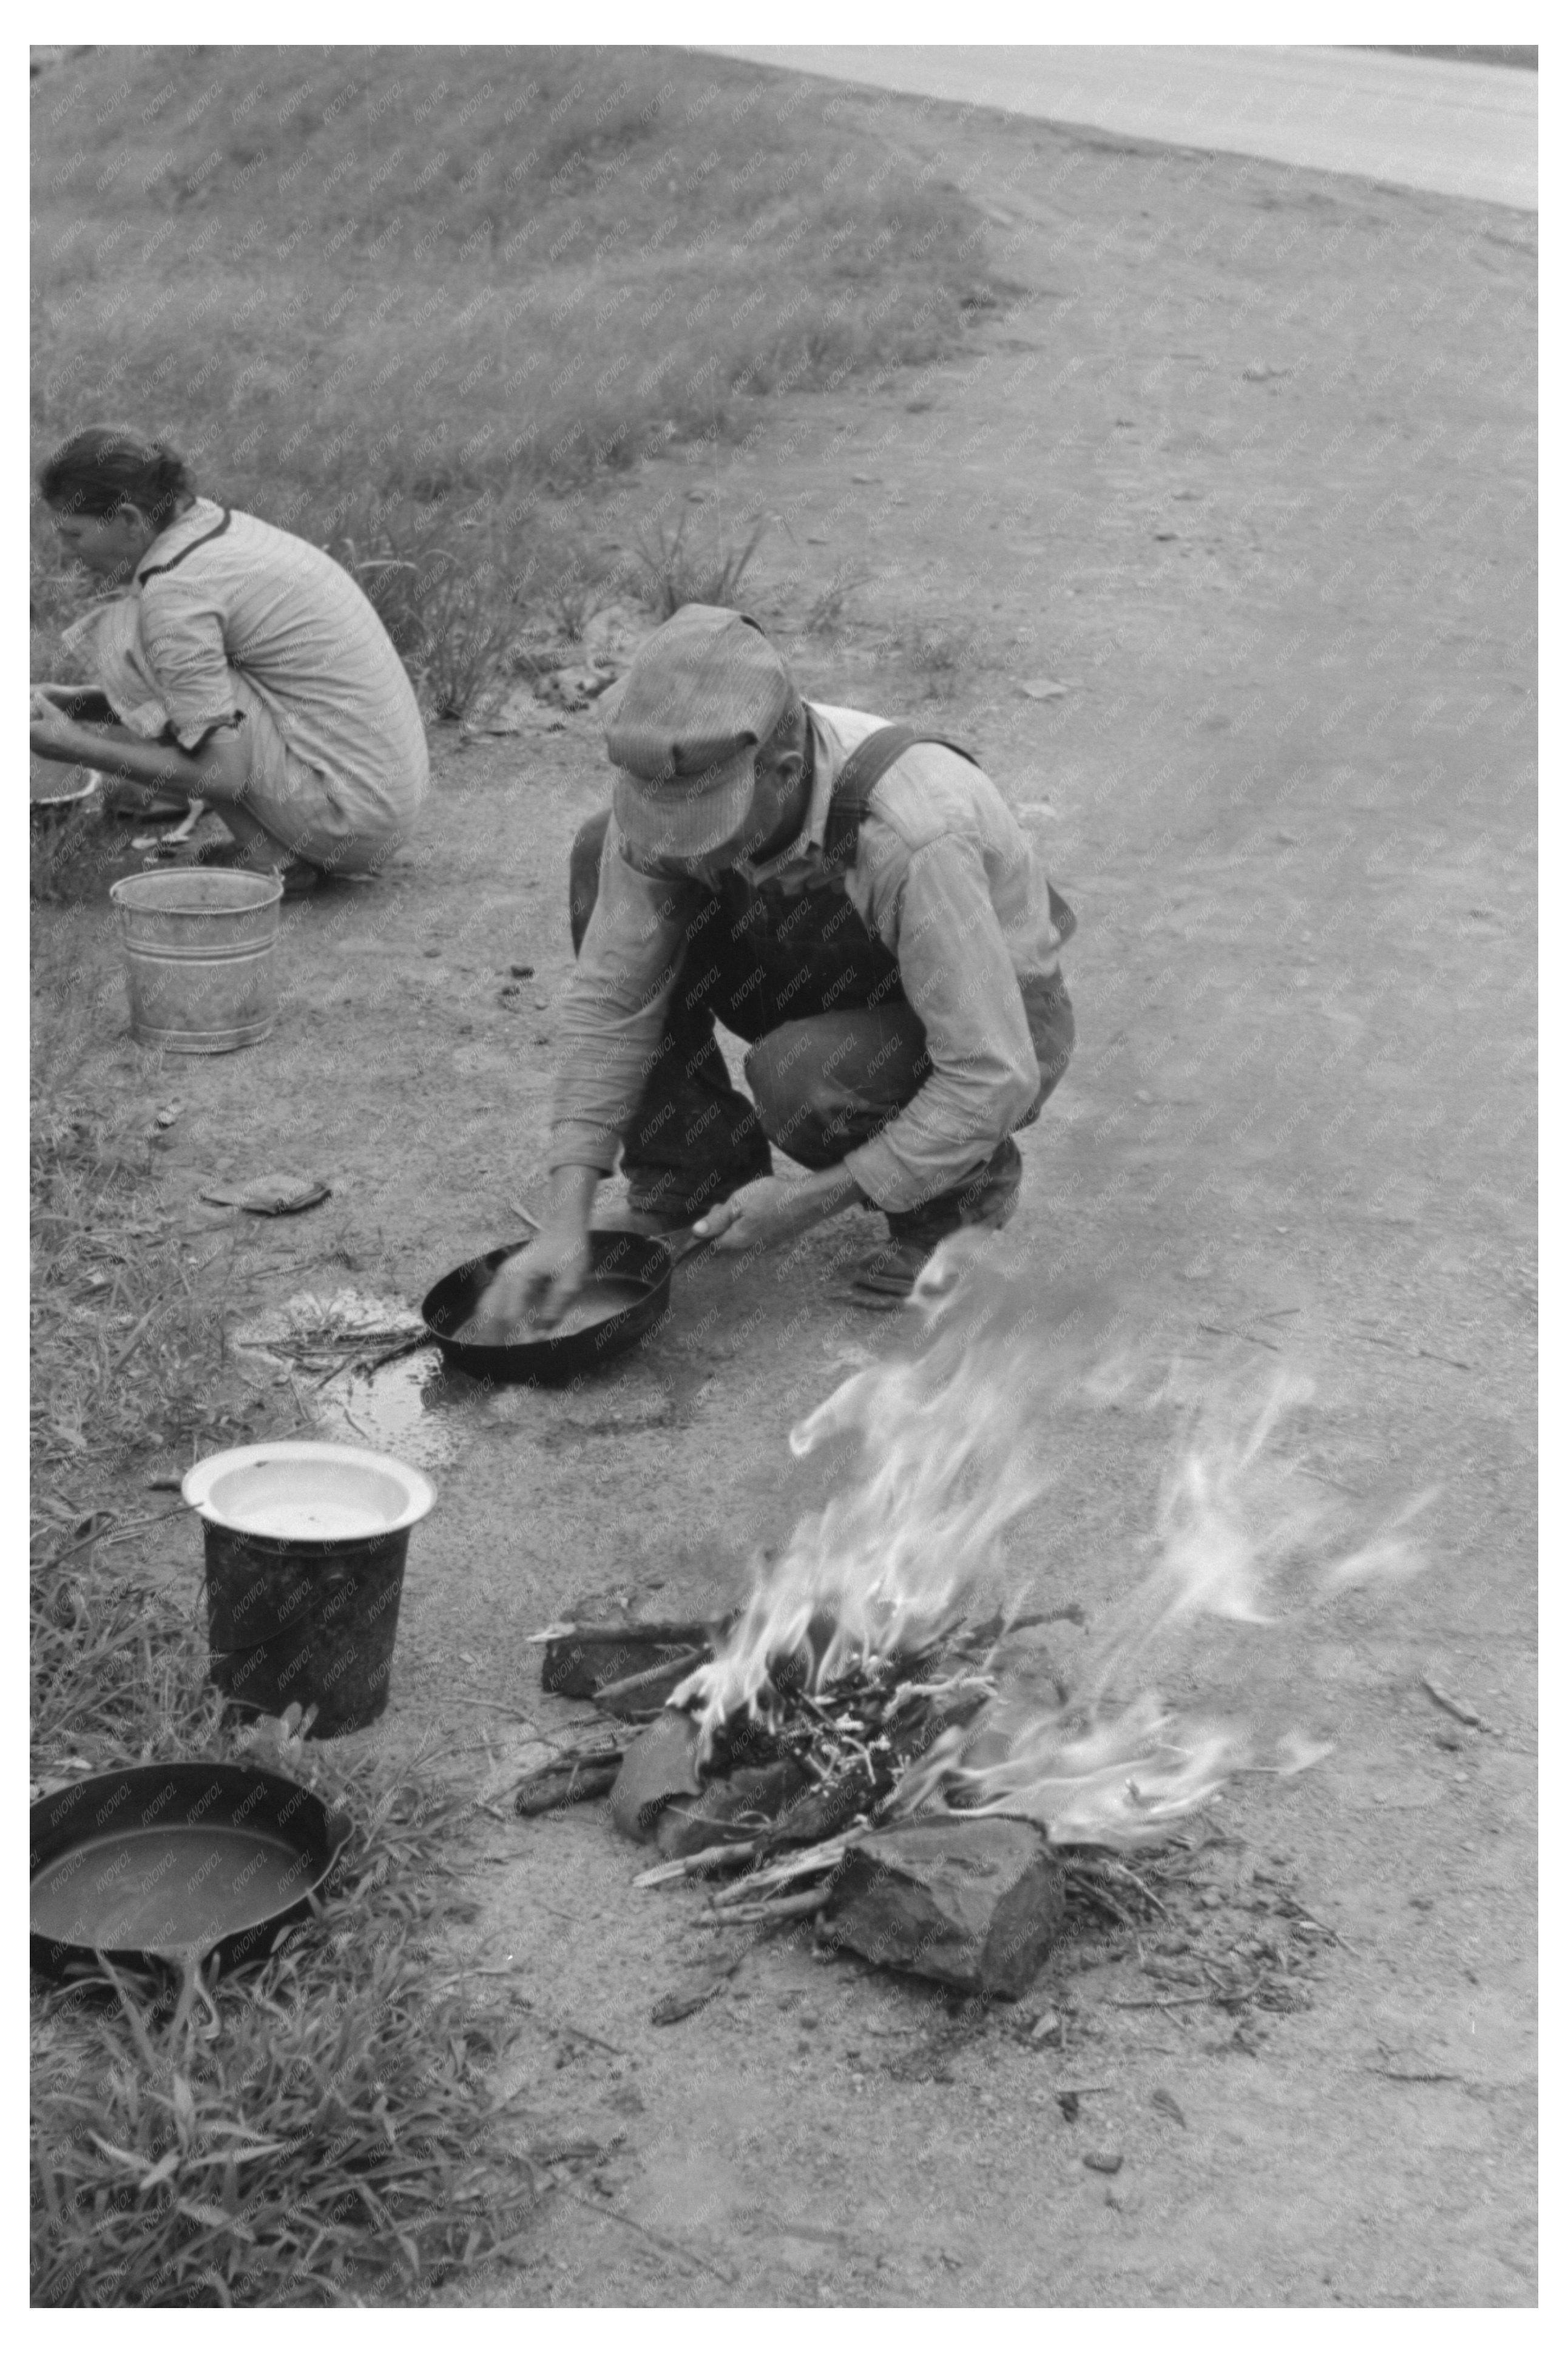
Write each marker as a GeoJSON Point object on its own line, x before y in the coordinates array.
{"type": "Point", "coordinates": [640, 1263]}
{"type": "Point", "coordinates": [170, 1862]}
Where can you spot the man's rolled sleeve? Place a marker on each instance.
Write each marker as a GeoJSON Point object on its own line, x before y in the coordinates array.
{"type": "Point", "coordinates": [959, 977]}
{"type": "Point", "coordinates": [612, 1016]}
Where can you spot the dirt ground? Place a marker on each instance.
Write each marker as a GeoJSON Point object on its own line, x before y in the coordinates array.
{"type": "Point", "coordinates": [1247, 467]}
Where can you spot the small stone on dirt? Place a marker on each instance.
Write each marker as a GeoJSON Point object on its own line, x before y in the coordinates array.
{"type": "Point", "coordinates": [677, 2006]}
{"type": "Point", "coordinates": [1103, 2160]}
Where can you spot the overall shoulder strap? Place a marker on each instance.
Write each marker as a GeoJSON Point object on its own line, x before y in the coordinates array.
{"type": "Point", "coordinates": [862, 771]}
{"type": "Point", "coordinates": [852, 789]}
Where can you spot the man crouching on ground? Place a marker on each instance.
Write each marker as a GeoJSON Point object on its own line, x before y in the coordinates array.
{"type": "Point", "coordinates": [888, 948]}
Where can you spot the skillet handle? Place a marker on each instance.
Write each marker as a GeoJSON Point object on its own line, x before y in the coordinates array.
{"type": "Point", "coordinates": [683, 1243]}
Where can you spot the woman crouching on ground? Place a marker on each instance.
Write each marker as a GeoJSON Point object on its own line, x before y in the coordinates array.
{"type": "Point", "coordinates": [238, 666]}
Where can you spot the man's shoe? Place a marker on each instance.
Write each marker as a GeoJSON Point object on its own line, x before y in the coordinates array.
{"type": "Point", "coordinates": [885, 1277]}
{"type": "Point", "coordinates": [984, 1203]}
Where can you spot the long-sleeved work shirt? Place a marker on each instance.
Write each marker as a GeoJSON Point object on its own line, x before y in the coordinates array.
{"type": "Point", "coordinates": [219, 592]}
{"type": "Point", "coordinates": [943, 875]}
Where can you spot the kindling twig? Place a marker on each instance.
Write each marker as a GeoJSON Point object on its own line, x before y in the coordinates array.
{"type": "Point", "coordinates": [564, 2026]}
{"type": "Point", "coordinates": [693, 1866]}
{"type": "Point", "coordinates": [1109, 1866]}
{"type": "Point", "coordinates": [134, 1342]}
{"type": "Point", "coordinates": [1433, 1354]}
{"type": "Point", "coordinates": [1452, 1706]}
{"type": "Point", "coordinates": [1089, 1880]}
{"type": "Point", "coordinates": [670, 2246]}
{"type": "Point", "coordinates": [1175, 2001]}
{"type": "Point", "coordinates": [782, 1907]}
{"type": "Point", "coordinates": [1300, 1912]}
{"type": "Point", "coordinates": [415, 1341]}
{"type": "Point", "coordinates": [116, 1536]}
{"type": "Point", "coordinates": [779, 1874]}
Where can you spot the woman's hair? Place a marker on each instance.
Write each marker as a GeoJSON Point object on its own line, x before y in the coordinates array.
{"type": "Point", "coordinates": [107, 467]}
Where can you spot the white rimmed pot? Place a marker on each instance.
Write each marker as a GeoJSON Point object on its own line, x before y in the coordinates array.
{"type": "Point", "coordinates": [306, 1544]}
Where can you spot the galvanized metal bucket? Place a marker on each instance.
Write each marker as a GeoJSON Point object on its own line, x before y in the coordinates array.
{"type": "Point", "coordinates": [200, 963]}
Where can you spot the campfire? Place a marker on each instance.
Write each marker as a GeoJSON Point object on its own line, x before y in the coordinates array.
{"type": "Point", "coordinates": [858, 1746]}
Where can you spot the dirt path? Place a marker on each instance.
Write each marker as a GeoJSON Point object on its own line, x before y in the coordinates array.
{"type": "Point", "coordinates": [1248, 467]}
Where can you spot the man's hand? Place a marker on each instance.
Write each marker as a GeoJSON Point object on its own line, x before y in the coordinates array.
{"type": "Point", "coordinates": [774, 1209]}
{"type": "Point", "coordinates": [533, 1289]}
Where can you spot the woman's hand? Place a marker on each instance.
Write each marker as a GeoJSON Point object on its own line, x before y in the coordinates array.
{"type": "Point", "coordinates": [80, 703]}
{"type": "Point", "coordinates": [49, 732]}
{"type": "Point", "coordinates": [534, 1288]}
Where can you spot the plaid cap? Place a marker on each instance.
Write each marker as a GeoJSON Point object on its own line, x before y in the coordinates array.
{"type": "Point", "coordinates": [684, 725]}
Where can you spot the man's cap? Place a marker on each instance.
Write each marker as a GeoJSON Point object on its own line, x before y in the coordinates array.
{"type": "Point", "coordinates": [683, 728]}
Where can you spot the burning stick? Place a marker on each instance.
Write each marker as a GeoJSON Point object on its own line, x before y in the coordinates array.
{"type": "Point", "coordinates": [581, 1661]}
{"type": "Point", "coordinates": [648, 1690]}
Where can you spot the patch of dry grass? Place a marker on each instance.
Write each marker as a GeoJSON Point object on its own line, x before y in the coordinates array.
{"type": "Point", "coordinates": [429, 304]}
